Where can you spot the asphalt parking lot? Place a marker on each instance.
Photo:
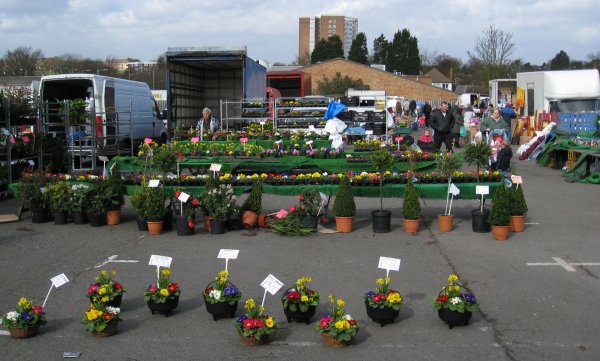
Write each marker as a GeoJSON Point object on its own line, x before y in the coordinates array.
{"type": "Point", "coordinates": [538, 290]}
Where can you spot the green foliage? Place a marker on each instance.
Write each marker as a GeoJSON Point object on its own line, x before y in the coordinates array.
{"type": "Point", "coordinates": [60, 196]}
{"type": "Point", "coordinates": [338, 84]}
{"type": "Point", "coordinates": [32, 190]}
{"type": "Point", "coordinates": [164, 160]}
{"type": "Point", "coordinates": [138, 198]}
{"type": "Point", "coordinates": [289, 226]}
{"type": "Point", "coordinates": [77, 112]}
{"type": "Point", "coordinates": [380, 50]}
{"type": "Point", "coordinates": [164, 290]}
{"type": "Point", "coordinates": [299, 298]}
{"type": "Point", "coordinates": [310, 201]}
{"type": "Point", "coordinates": [344, 205]}
{"type": "Point", "coordinates": [500, 212]}
{"type": "Point", "coordinates": [518, 204]}
{"type": "Point", "coordinates": [219, 201]}
{"type": "Point", "coordinates": [447, 164]}
{"type": "Point", "coordinates": [327, 49]}
{"type": "Point", "coordinates": [358, 50]}
{"type": "Point", "coordinates": [382, 160]}
{"type": "Point", "coordinates": [154, 204]}
{"type": "Point", "coordinates": [403, 54]}
{"type": "Point", "coordinates": [254, 201]}
{"type": "Point", "coordinates": [477, 154]}
{"type": "Point", "coordinates": [21, 105]}
{"type": "Point", "coordinates": [96, 199]}
{"type": "Point", "coordinates": [411, 209]}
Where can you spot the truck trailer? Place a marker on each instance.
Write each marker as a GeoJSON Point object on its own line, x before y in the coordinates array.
{"type": "Point", "coordinates": [199, 77]}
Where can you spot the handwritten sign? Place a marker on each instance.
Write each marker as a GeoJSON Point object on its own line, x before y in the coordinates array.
{"type": "Point", "coordinates": [228, 253]}
{"type": "Point", "coordinates": [243, 140]}
{"type": "Point", "coordinates": [183, 197]}
{"type": "Point", "coordinates": [516, 179]}
{"type": "Point", "coordinates": [153, 183]}
{"type": "Point", "coordinates": [271, 284]}
{"type": "Point", "coordinates": [160, 261]}
{"type": "Point", "coordinates": [368, 132]}
{"type": "Point", "coordinates": [59, 280]}
{"type": "Point", "coordinates": [482, 190]}
{"type": "Point", "coordinates": [103, 158]}
{"type": "Point", "coordinates": [454, 190]}
{"type": "Point", "coordinates": [390, 264]}
{"type": "Point", "coordinates": [214, 167]}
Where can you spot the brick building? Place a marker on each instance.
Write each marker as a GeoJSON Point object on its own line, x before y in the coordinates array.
{"type": "Point", "coordinates": [314, 28]}
{"type": "Point", "coordinates": [376, 79]}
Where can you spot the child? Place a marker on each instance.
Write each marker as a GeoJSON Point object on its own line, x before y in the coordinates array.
{"type": "Point", "coordinates": [504, 156]}
{"type": "Point", "coordinates": [426, 137]}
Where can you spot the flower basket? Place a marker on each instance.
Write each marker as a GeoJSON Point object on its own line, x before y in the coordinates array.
{"type": "Point", "coordinates": [110, 329]}
{"type": "Point", "coordinates": [454, 306]}
{"type": "Point", "coordinates": [454, 318]}
{"type": "Point", "coordinates": [24, 320]}
{"type": "Point", "coordinates": [300, 302]}
{"type": "Point", "coordinates": [164, 308]}
{"type": "Point", "coordinates": [252, 341]}
{"type": "Point", "coordinates": [163, 297]}
{"type": "Point", "coordinates": [253, 327]}
{"type": "Point", "coordinates": [221, 297]}
{"type": "Point", "coordinates": [18, 332]}
{"type": "Point", "coordinates": [383, 304]}
{"type": "Point", "coordinates": [332, 342]}
{"type": "Point", "coordinates": [383, 315]}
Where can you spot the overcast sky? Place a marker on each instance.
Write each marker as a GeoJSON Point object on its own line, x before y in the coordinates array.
{"type": "Point", "coordinates": [144, 29]}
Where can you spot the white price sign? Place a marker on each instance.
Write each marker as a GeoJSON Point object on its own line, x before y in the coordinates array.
{"type": "Point", "coordinates": [516, 179]}
{"type": "Point", "coordinates": [263, 123]}
{"type": "Point", "coordinates": [31, 162]}
{"type": "Point", "coordinates": [59, 280]}
{"type": "Point", "coordinates": [160, 261]}
{"type": "Point", "coordinates": [311, 128]}
{"type": "Point", "coordinates": [271, 284]}
{"type": "Point", "coordinates": [482, 190]}
{"type": "Point", "coordinates": [390, 264]}
{"type": "Point", "coordinates": [278, 142]}
{"type": "Point", "coordinates": [103, 158]}
{"type": "Point", "coordinates": [454, 190]}
{"type": "Point", "coordinates": [309, 142]}
{"type": "Point", "coordinates": [214, 167]}
{"type": "Point", "coordinates": [153, 183]}
{"type": "Point", "coordinates": [228, 253]}
{"type": "Point", "coordinates": [183, 197]}
{"type": "Point", "coordinates": [368, 132]}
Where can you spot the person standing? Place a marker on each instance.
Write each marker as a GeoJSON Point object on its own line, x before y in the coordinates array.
{"type": "Point", "coordinates": [427, 113]}
{"type": "Point", "coordinates": [504, 156]}
{"type": "Point", "coordinates": [208, 123]}
{"type": "Point", "coordinates": [459, 121]}
{"type": "Point", "coordinates": [492, 122]}
{"type": "Point", "coordinates": [508, 114]}
{"type": "Point", "coordinates": [412, 108]}
{"type": "Point", "coordinates": [442, 121]}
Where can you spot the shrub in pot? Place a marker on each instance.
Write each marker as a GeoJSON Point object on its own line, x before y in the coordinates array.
{"type": "Point", "coordinates": [518, 208]}
{"type": "Point", "coordinates": [154, 209]}
{"type": "Point", "coordinates": [60, 197]}
{"type": "Point", "coordinates": [382, 160]}
{"type": "Point", "coordinates": [115, 194]}
{"type": "Point", "coordinates": [499, 216]}
{"type": "Point", "coordinates": [164, 159]}
{"type": "Point", "coordinates": [344, 207]}
{"type": "Point", "coordinates": [447, 163]}
{"type": "Point", "coordinates": [478, 154]}
{"type": "Point", "coordinates": [78, 204]}
{"type": "Point", "coordinates": [411, 209]}
{"type": "Point", "coordinates": [32, 193]}
{"type": "Point", "coordinates": [252, 206]}
{"type": "Point", "coordinates": [76, 109]}
{"type": "Point", "coordinates": [137, 199]}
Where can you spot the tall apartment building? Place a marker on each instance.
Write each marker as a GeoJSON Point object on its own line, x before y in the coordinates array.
{"type": "Point", "coordinates": [314, 28]}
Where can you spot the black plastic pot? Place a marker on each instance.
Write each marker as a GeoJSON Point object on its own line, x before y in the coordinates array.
{"type": "Point", "coordinates": [39, 215]}
{"type": "Point", "coordinates": [60, 217]}
{"type": "Point", "coordinates": [382, 221]}
{"type": "Point", "coordinates": [300, 316]}
{"type": "Point", "coordinates": [310, 221]}
{"type": "Point", "coordinates": [221, 309]}
{"type": "Point", "coordinates": [382, 316]}
{"type": "Point", "coordinates": [168, 221]}
{"type": "Point", "coordinates": [182, 226]}
{"type": "Point", "coordinates": [97, 220]}
{"type": "Point", "coordinates": [142, 225]}
{"type": "Point", "coordinates": [79, 218]}
{"type": "Point", "coordinates": [480, 223]}
{"type": "Point", "coordinates": [454, 318]}
{"type": "Point", "coordinates": [234, 223]}
{"type": "Point", "coordinates": [163, 308]}
{"type": "Point", "coordinates": [217, 227]}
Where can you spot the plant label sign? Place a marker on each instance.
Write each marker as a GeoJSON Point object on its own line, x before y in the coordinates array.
{"type": "Point", "coordinates": [214, 167]}
{"type": "Point", "coordinates": [59, 280]}
{"type": "Point", "coordinates": [103, 158]}
{"type": "Point", "coordinates": [31, 162]}
{"type": "Point", "coordinates": [160, 261]}
{"type": "Point", "coordinates": [263, 123]}
{"type": "Point", "coordinates": [183, 197]}
{"type": "Point", "coordinates": [483, 190]}
{"type": "Point", "coordinates": [309, 142]}
{"type": "Point", "coordinates": [228, 253]}
{"type": "Point", "coordinates": [243, 140]}
{"type": "Point", "coordinates": [368, 132]}
{"type": "Point", "coordinates": [516, 179]}
{"type": "Point", "coordinates": [454, 189]}
{"type": "Point", "coordinates": [311, 128]}
{"type": "Point", "coordinates": [389, 264]}
{"type": "Point", "coordinates": [271, 284]}
{"type": "Point", "coordinates": [278, 142]}
{"type": "Point", "coordinates": [154, 183]}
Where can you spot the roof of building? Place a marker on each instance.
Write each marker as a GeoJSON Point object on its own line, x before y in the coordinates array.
{"type": "Point", "coordinates": [437, 76]}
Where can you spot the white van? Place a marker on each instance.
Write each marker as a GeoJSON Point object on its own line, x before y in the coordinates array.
{"type": "Point", "coordinates": [124, 110]}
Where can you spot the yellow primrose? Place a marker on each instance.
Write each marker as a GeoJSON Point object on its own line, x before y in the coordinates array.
{"type": "Point", "coordinates": [269, 322]}
{"type": "Point", "coordinates": [93, 314]}
{"type": "Point", "coordinates": [164, 292]}
{"type": "Point", "coordinates": [113, 272]}
{"type": "Point", "coordinates": [331, 299]}
{"type": "Point", "coordinates": [223, 275]}
{"type": "Point", "coordinates": [261, 309]}
{"type": "Point", "coordinates": [105, 299]}
{"type": "Point", "coordinates": [104, 273]}
{"type": "Point", "coordinates": [101, 290]}
{"type": "Point", "coordinates": [339, 325]}
{"type": "Point", "coordinates": [25, 304]}
{"type": "Point", "coordinates": [452, 278]}
{"type": "Point", "coordinates": [263, 175]}
{"type": "Point", "coordinates": [316, 175]}
{"type": "Point", "coordinates": [346, 324]}
{"type": "Point", "coordinates": [166, 271]}
{"type": "Point", "coordinates": [379, 281]}
{"type": "Point", "coordinates": [388, 280]}
{"type": "Point", "coordinates": [340, 302]}
{"type": "Point", "coordinates": [249, 304]}
{"type": "Point", "coordinates": [304, 298]}
{"type": "Point", "coordinates": [394, 298]}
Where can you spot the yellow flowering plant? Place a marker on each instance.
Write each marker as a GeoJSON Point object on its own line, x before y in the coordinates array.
{"type": "Point", "coordinates": [383, 296]}
{"type": "Point", "coordinates": [253, 323]}
{"type": "Point", "coordinates": [24, 315]}
{"type": "Point", "coordinates": [98, 316]}
{"type": "Point", "coordinates": [105, 290]}
{"type": "Point", "coordinates": [164, 290]}
{"type": "Point", "coordinates": [453, 298]}
{"type": "Point", "coordinates": [337, 323]}
{"type": "Point", "coordinates": [300, 297]}
{"type": "Point", "coordinates": [222, 290]}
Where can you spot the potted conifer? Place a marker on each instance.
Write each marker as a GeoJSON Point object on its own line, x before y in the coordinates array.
{"type": "Point", "coordinates": [499, 216]}
{"type": "Point", "coordinates": [382, 160]}
{"type": "Point", "coordinates": [447, 164]}
{"type": "Point", "coordinates": [252, 207]}
{"type": "Point", "coordinates": [344, 207]}
{"type": "Point", "coordinates": [478, 154]}
{"type": "Point", "coordinates": [518, 208]}
{"type": "Point", "coordinates": [411, 209]}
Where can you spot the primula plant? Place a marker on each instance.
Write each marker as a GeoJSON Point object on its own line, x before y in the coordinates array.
{"type": "Point", "coordinates": [338, 324]}
{"type": "Point", "coordinates": [451, 297]}
{"type": "Point", "coordinates": [165, 290]}
{"type": "Point", "coordinates": [105, 289]}
{"type": "Point", "coordinates": [221, 290]}
{"type": "Point", "coordinates": [300, 297]}
{"type": "Point", "coordinates": [24, 315]}
{"type": "Point", "coordinates": [186, 209]}
{"type": "Point", "coordinates": [383, 296]}
{"type": "Point", "coordinates": [310, 202]}
{"type": "Point", "coordinates": [98, 317]}
{"type": "Point", "coordinates": [253, 323]}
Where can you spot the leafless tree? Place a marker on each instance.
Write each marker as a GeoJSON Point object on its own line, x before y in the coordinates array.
{"type": "Point", "coordinates": [21, 61]}
{"type": "Point", "coordinates": [493, 51]}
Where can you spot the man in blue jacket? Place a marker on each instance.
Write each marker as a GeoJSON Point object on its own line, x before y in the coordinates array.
{"type": "Point", "coordinates": [442, 120]}
{"type": "Point", "coordinates": [508, 113]}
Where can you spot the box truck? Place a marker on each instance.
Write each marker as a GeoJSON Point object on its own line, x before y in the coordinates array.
{"type": "Point", "coordinates": [199, 77]}
{"type": "Point", "coordinates": [570, 91]}
{"type": "Point", "coordinates": [123, 111]}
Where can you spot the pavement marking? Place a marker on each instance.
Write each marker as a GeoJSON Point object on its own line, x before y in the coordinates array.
{"type": "Point", "coordinates": [564, 264]}
{"type": "Point", "coordinates": [113, 259]}
{"type": "Point", "coordinates": [4, 333]}
{"type": "Point", "coordinates": [535, 223]}
{"type": "Point", "coordinates": [300, 344]}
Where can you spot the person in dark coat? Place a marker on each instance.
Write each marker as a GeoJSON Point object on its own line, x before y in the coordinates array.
{"type": "Point", "coordinates": [508, 114]}
{"type": "Point", "coordinates": [427, 113]}
{"type": "Point", "coordinates": [504, 156]}
{"type": "Point", "coordinates": [412, 108]}
{"type": "Point", "coordinates": [442, 121]}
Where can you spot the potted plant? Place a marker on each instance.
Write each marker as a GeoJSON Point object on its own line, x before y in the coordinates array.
{"type": "Point", "coordinates": [78, 206]}
{"type": "Point", "coordinates": [185, 213]}
{"type": "Point", "coordinates": [96, 200]}
{"type": "Point", "coordinates": [32, 193]}
{"type": "Point", "coordinates": [337, 328]}
{"type": "Point", "coordinates": [411, 209]}
{"type": "Point", "coordinates": [299, 301]}
{"type": "Point", "coordinates": [138, 199]}
{"type": "Point", "coordinates": [207, 200]}
{"type": "Point", "coordinates": [60, 197]}
{"type": "Point", "coordinates": [344, 207]}
{"type": "Point", "coordinates": [382, 160]}
{"type": "Point", "coordinates": [154, 209]}
{"type": "Point", "coordinates": [101, 320]}
{"type": "Point", "coordinates": [287, 223]}
{"type": "Point", "coordinates": [221, 297]}
{"type": "Point", "coordinates": [252, 206]}
{"type": "Point", "coordinates": [164, 159]}
{"type": "Point", "coordinates": [163, 297]}
{"type": "Point", "coordinates": [76, 111]}
{"type": "Point", "coordinates": [254, 327]}
{"type": "Point", "coordinates": [478, 154]}
{"type": "Point", "coordinates": [105, 290]}
{"type": "Point", "coordinates": [21, 105]}
{"type": "Point", "coordinates": [219, 207]}
{"type": "Point", "coordinates": [454, 306]}
{"type": "Point", "coordinates": [115, 194]}
{"type": "Point", "coordinates": [310, 204]}
{"type": "Point", "coordinates": [383, 304]}
{"type": "Point", "coordinates": [499, 216]}
{"type": "Point", "coordinates": [25, 320]}
{"type": "Point", "coordinates": [447, 163]}
{"type": "Point", "coordinates": [518, 208]}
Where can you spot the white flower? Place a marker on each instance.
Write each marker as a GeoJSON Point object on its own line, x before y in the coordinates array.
{"type": "Point", "coordinates": [12, 316]}
{"type": "Point", "coordinates": [115, 310]}
{"type": "Point", "coordinates": [216, 294]}
{"type": "Point", "coordinates": [455, 300]}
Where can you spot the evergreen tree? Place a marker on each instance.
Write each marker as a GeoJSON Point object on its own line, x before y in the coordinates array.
{"type": "Point", "coordinates": [327, 49]}
{"type": "Point", "coordinates": [319, 52]}
{"type": "Point", "coordinates": [358, 51]}
{"type": "Point", "coordinates": [403, 54]}
{"type": "Point", "coordinates": [561, 61]}
{"type": "Point", "coordinates": [380, 50]}
{"type": "Point", "coordinates": [338, 84]}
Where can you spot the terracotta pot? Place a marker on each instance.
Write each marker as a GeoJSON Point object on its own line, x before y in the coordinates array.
{"type": "Point", "coordinates": [264, 220]}
{"type": "Point", "coordinates": [344, 224]}
{"type": "Point", "coordinates": [517, 223]}
{"type": "Point", "coordinates": [155, 228]}
{"type": "Point", "coordinates": [411, 225]}
{"type": "Point", "coordinates": [18, 332]}
{"type": "Point", "coordinates": [113, 217]}
{"type": "Point", "coordinates": [332, 342]}
{"type": "Point", "coordinates": [500, 232]}
{"type": "Point", "coordinates": [110, 329]}
{"type": "Point", "coordinates": [249, 219]}
{"type": "Point", "coordinates": [445, 222]}
{"type": "Point", "coordinates": [207, 223]}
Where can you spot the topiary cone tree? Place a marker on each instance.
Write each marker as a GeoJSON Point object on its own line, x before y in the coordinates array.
{"type": "Point", "coordinates": [254, 201]}
{"type": "Point", "coordinates": [500, 212]}
{"type": "Point", "coordinates": [344, 205]}
{"type": "Point", "coordinates": [518, 205]}
{"type": "Point", "coordinates": [411, 209]}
